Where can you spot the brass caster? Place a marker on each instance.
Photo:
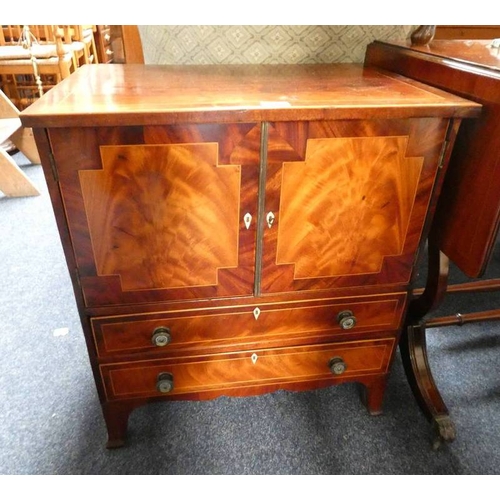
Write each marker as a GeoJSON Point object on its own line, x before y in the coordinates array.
{"type": "Point", "coordinates": [444, 429]}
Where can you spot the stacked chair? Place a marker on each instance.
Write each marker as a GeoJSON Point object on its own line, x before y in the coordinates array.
{"type": "Point", "coordinates": [34, 58]}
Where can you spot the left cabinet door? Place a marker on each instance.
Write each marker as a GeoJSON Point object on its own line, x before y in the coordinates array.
{"type": "Point", "coordinates": [160, 213]}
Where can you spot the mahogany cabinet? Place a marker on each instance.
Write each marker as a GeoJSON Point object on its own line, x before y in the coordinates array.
{"type": "Point", "coordinates": [235, 230]}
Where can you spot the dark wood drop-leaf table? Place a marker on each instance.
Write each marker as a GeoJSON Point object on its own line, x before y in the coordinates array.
{"type": "Point", "coordinates": [465, 227]}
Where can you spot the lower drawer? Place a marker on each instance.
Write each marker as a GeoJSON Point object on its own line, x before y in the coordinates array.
{"type": "Point", "coordinates": [244, 327]}
{"type": "Point", "coordinates": [275, 368]}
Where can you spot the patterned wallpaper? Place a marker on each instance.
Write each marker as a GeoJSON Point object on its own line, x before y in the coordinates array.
{"type": "Point", "coordinates": [208, 44]}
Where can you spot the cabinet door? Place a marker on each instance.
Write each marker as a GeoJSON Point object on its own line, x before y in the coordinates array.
{"type": "Point", "coordinates": [346, 201]}
{"type": "Point", "coordinates": [160, 213]}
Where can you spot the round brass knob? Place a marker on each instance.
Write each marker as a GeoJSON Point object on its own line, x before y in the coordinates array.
{"type": "Point", "coordinates": [337, 366]}
{"type": "Point", "coordinates": [161, 336]}
{"type": "Point", "coordinates": [346, 320]}
{"type": "Point", "coordinates": [165, 382]}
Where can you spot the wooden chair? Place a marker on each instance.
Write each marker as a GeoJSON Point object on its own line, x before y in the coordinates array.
{"type": "Point", "coordinates": [13, 181]}
{"type": "Point", "coordinates": [80, 39]}
{"type": "Point", "coordinates": [25, 73]}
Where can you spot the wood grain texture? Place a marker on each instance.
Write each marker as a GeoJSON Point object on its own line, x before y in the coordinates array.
{"type": "Point", "coordinates": [114, 94]}
{"type": "Point", "coordinates": [467, 32]}
{"type": "Point", "coordinates": [350, 200]}
{"type": "Point", "coordinates": [199, 332]}
{"type": "Point", "coordinates": [468, 213]}
{"type": "Point", "coordinates": [267, 367]}
{"type": "Point", "coordinates": [156, 218]}
{"type": "Point", "coordinates": [347, 206]}
{"type": "Point", "coordinates": [138, 150]}
{"type": "Point", "coordinates": [156, 213]}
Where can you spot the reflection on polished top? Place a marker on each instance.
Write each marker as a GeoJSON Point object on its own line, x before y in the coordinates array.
{"type": "Point", "coordinates": [106, 95]}
{"type": "Point", "coordinates": [481, 53]}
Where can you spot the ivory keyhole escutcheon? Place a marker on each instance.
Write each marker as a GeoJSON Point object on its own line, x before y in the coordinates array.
{"type": "Point", "coordinates": [270, 218]}
{"type": "Point", "coordinates": [256, 313]}
{"type": "Point", "coordinates": [247, 219]}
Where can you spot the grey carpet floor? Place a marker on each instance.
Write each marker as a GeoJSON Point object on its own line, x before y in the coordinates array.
{"type": "Point", "coordinates": [51, 423]}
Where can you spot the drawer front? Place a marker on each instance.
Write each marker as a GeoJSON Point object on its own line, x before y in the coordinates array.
{"type": "Point", "coordinates": [246, 326]}
{"type": "Point", "coordinates": [274, 368]}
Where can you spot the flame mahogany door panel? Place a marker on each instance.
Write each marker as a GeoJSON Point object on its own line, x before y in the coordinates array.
{"type": "Point", "coordinates": [347, 201]}
{"type": "Point", "coordinates": [159, 213]}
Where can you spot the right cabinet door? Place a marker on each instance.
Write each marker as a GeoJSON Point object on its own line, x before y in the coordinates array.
{"type": "Point", "coordinates": [346, 201]}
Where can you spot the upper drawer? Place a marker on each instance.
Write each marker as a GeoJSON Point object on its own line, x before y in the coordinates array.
{"type": "Point", "coordinates": [244, 327]}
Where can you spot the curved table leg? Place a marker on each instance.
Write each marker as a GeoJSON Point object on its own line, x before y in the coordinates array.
{"type": "Point", "coordinates": [413, 349]}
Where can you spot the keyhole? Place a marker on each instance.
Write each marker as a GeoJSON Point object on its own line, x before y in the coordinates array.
{"type": "Point", "coordinates": [270, 219]}
{"type": "Point", "coordinates": [248, 220]}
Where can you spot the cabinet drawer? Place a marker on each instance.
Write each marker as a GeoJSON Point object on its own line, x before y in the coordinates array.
{"type": "Point", "coordinates": [245, 327]}
{"type": "Point", "coordinates": [274, 368]}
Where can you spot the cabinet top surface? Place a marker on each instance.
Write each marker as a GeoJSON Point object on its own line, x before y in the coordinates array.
{"type": "Point", "coordinates": [111, 95]}
{"type": "Point", "coordinates": [473, 53]}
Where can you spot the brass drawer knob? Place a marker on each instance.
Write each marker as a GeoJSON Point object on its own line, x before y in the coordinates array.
{"type": "Point", "coordinates": [161, 336]}
{"type": "Point", "coordinates": [346, 320]}
{"type": "Point", "coordinates": [165, 382]}
{"type": "Point", "coordinates": [337, 366]}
